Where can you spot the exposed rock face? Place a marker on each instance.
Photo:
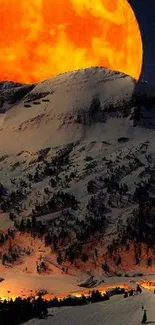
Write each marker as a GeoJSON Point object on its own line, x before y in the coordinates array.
{"type": "Point", "coordinates": [12, 93]}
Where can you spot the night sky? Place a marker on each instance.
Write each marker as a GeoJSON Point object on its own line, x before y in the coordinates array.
{"type": "Point", "coordinates": [145, 13]}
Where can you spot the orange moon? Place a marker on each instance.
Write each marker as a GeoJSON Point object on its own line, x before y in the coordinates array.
{"type": "Point", "coordinates": [42, 38]}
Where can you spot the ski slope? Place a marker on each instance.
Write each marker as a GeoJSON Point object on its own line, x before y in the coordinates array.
{"type": "Point", "coordinates": [117, 311]}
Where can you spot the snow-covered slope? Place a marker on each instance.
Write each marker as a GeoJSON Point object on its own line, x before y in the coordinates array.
{"type": "Point", "coordinates": [64, 108]}
{"type": "Point", "coordinates": [117, 311]}
{"type": "Point", "coordinates": [86, 133]}
{"type": "Point", "coordinates": [60, 110]}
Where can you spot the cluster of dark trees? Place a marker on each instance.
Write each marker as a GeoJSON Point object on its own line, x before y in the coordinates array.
{"type": "Point", "coordinates": [31, 225]}
{"type": "Point", "coordinates": [74, 251]}
{"type": "Point", "coordinates": [116, 248]}
{"type": "Point", "coordinates": [10, 257]}
{"type": "Point", "coordinates": [141, 226]}
{"type": "Point", "coordinates": [41, 267]}
{"type": "Point", "coordinates": [10, 234]}
{"type": "Point", "coordinates": [3, 190]}
{"type": "Point", "coordinates": [113, 186]}
{"type": "Point", "coordinates": [142, 190]}
{"type": "Point", "coordinates": [56, 233]}
{"type": "Point", "coordinates": [42, 154]}
{"type": "Point", "coordinates": [94, 296]}
{"type": "Point", "coordinates": [58, 202]}
{"type": "Point", "coordinates": [90, 166]}
{"type": "Point", "coordinates": [110, 182]}
{"type": "Point", "coordinates": [95, 220]}
{"type": "Point", "coordinates": [22, 310]}
{"type": "Point", "coordinates": [92, 187]}
{"type": "Point", "coordinates": [53, 167]}
{"type": "Point", "coordinates": [139, 230]}
{"type": "Point", "coordinates": [131, 292]}
{"type": "Point", "coordinates": [12, 200]}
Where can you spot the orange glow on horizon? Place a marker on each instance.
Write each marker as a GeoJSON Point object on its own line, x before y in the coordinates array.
{"type": "Point", "coordinates": [42, 38]}
{"type": "Point", "coordinates": [86, 292]}
{"type": "Point", "coordinates": [149, 285]}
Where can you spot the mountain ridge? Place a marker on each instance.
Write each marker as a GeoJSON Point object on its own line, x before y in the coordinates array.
{"type": "Point", "coordinates": [74, 100]}
{"type": "Point", "coordinates": [77, 165]}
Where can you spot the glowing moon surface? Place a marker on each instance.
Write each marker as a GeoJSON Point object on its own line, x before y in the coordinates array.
{"type": "Point", "coordinates": [42, 38]}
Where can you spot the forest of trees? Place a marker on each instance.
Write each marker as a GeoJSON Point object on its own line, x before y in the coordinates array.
{"type": "Point", "coordinates": [21, 310]}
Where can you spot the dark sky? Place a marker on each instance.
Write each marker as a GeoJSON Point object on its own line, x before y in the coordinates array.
{"type": "Point", "coordinates": [145, 13]}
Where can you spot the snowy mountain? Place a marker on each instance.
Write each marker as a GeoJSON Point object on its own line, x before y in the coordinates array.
{"type": "Point", "coordinates": [77, 164]}
{"type": "Point", "coordinates": [73, 103]}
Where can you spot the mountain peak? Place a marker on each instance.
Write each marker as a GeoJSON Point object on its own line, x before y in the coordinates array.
{"type": "Point", "coordinates": [65, 108]}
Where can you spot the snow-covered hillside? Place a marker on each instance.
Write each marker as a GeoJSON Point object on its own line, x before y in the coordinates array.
{"type": "Point", "coordinates": [63, 109]}
{"type": "Point", "coordinates": [77, 160]}
{"type": "Point", "coordinates": [117, 311]}
{"type": "Point", "coordinates": [60, 110]}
